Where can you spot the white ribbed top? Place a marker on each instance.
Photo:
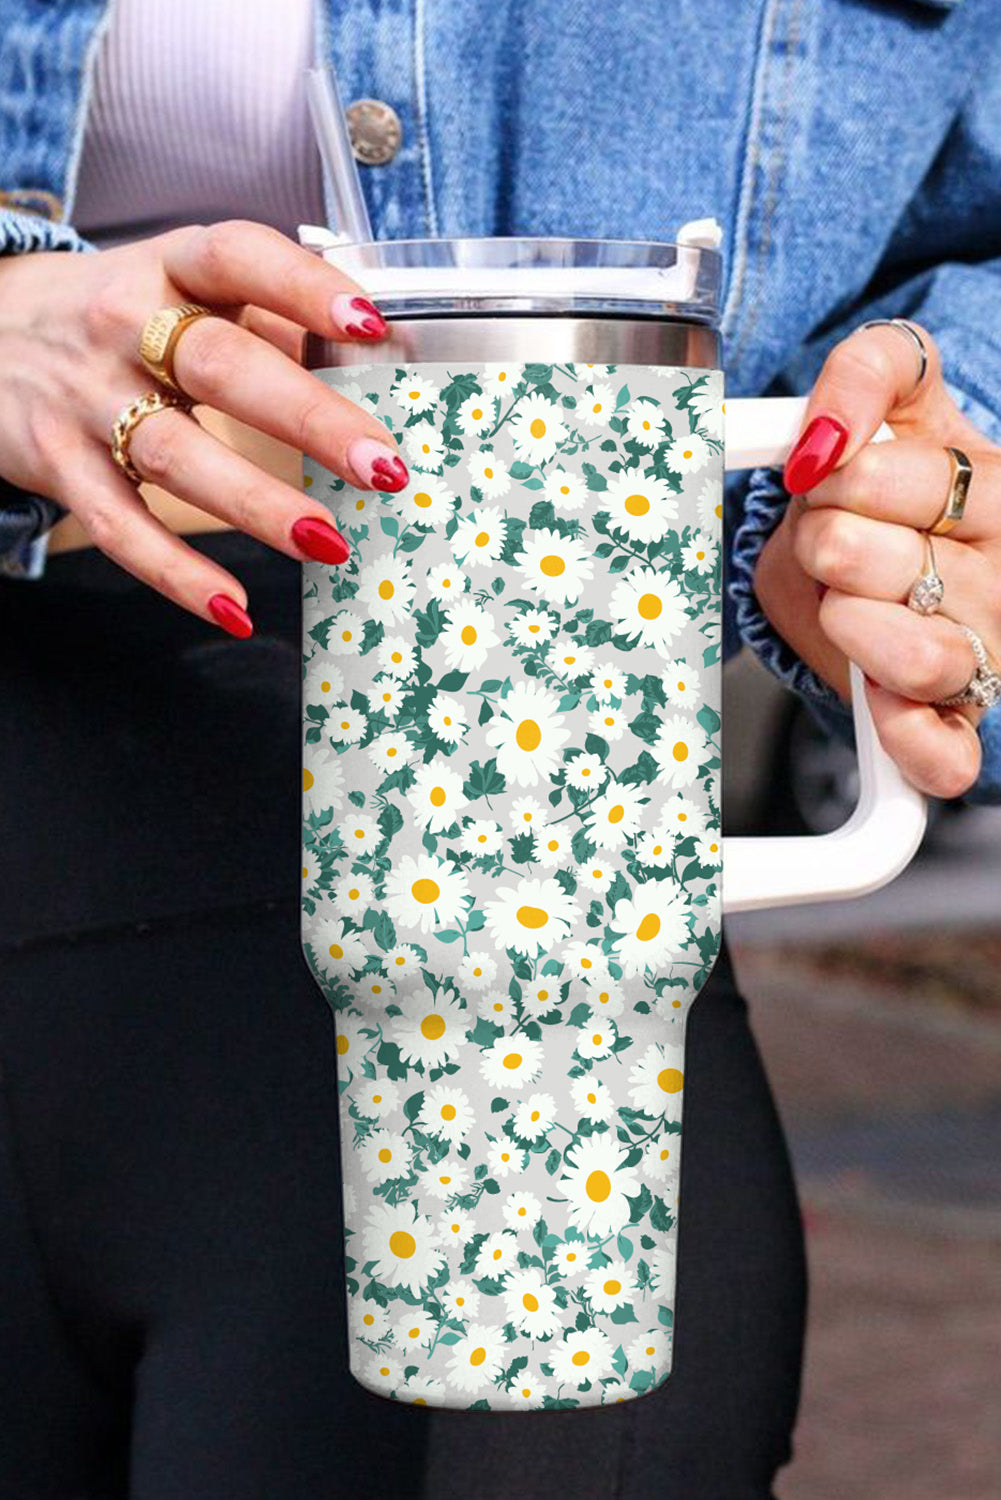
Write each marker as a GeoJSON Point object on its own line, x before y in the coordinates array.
{"type": "Point", "coordinates": [198, 112]}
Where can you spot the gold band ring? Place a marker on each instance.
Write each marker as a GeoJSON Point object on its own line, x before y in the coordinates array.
{"type": "Point", "coordinates": [159, 338]}
{"type": "Point", "coordinates": [959, 487]}
{"type": "Point", "coordinates": [128, 420]}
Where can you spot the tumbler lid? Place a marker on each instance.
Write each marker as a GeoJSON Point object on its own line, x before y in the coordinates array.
{"type": "Point", "coordinates": [450, 277]}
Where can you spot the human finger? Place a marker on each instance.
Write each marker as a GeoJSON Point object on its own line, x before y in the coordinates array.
{"type": "Point", "coordinates": [923, 658]}
{"type": "Point", "coordinates": [236, 262]}
{"type": "Point", "coordinates": [938, 750]}
{"type": "Point", "coordinates": [171, 450]}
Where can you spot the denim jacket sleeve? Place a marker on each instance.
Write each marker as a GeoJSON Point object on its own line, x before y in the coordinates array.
{"type": "Point", "coordinates": [25, 519]}
{"type": "Point", "coordinates": [954, 234]}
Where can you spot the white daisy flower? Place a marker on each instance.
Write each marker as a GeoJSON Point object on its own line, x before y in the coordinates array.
{"type": "Point", "coordinates": [475, 414]}
{"type": "Point", "coordinates": [594, 372]}
{"type": "Point", "coordinates": [456, 1226]}
{"type": "Point", "coordinates": [384, 1156]}
{"type": "Point", "coordinates": [497, 1255]}
{"type": "Point", "coordinates": [651, 605]}
{"type": "Point", "coordinates": [709, 850]}
{"type": "Point", "coordinates": [401, 1242]}
{"type": "Point", "coordinates": [607, 682]}
{"type": "Point", "coordinates": [528, 1388]}
{"type": "Point", "coordinates": [446, 1112]}
{"type": "Point", "coordinates": [662, 1159]}
{"type": "Point", "coordinates": [650, 1350]}
{"type": "Point", "coordinates": [416, 1327]}
{"type": "Point", "coordinates": [609, 1287]}
{"type": "Point", "coordinates": [541, 995]}
{"type": "Point", "coordinates": [655, 850]}
{"type": "Point", "coordinates": [324, 684]}
{"type": "Point", "coordinates": [482, 838]}
{"type": "Point", "coordinates": [642, 508]}
{"type": "Point", "coordinates": [532, 628]}
{"type": "Point", "coordinates": [390, 751]}
{"type": "Point", "coordinates": [606, 998]}
{"type": "Point", "coordinates": [431, 1029]}
{"type": "Point", "coordinates": [425, 892]}
{"type": "Point", "coordinates": [571, 1257]}
{"type": "Point", "coordinates": [436, 796]}
{"type": "Point", "coordinates": [460, 1299]}
{"type": "Point", "coordinates": [530, 1304]}
{"type": "Point", "coordinates": [425, 447]}
{"type": "Point", "coordinates": [396, 656]}
{"type": "Point", "coordinates": [352, 1042]}
{"type": "Point", "coordinates": [597, 874]}
{"type": "Point", "coordinates": [655, 926]}
{"type": "Point", "coordinates": [536, 429]}
{"type": "Point", "coordinates": [709, 412]}
{"type": "Point", "coordinates": [346, 726]}
{"type": "Point", "coordinates": [598, 1185]}
{"type": "Point", "coordinates": [337, 951]}
{"type": "Point", "coordinates": [352, 896]}
{"type": "Point", "coordinates": [533, 914]}
{"type": "Point", "coordinates": [477, 971]}
{"type": "Point", "coordinates": [346, 632]}
{"type": "Point", "coordinates": [359, 833]}
{"type": "Point", "coordinates": [616, 815]}
{"type": "Point", "coordinates": [680, 815]}
{"type": "Point", "coordinates": [688, 453]}
{"type": "Point", "coordinates": [679, 750]}
{"type": "Point", "coordinates": [496, 1006]}
{"type": "Point", "coordinates": [447, 717]}
{"type": "Point", "coordinates": [422, 1390]}
{"type": "Point", "coordinates": [468, 636]}
{"type": "Point", "coordinates": [585, 960]}
{"type": "Point", "coordinates": [557, 567]}
{"type": "Point", "coordinates": [572, 661]}
{"type": "Point", "coordinates": [427, 501]}
{"type": "Point", "coordinates": [526, 814]}
{"type": "Point", "coordinates": [382, 1374]}
{"type": "Point", "coordinates": [528, 734]}
{"type": "Point", "coordinates": [522, 1211]}
{"type": "Point", "coordinates": [415, 393]}
{"type": "Point", "coordinates": [682, 684]}
{"type": "Point", "coordinates": [552, 847]}
{"type": "Point", "coordinates": [564, 490]}
{"type": "Point", "coordinates": [645, 423]}
{"type": "Point", "coordinates": [610, 723]}
{"type": "Point", "coordinates": [446, 1179]}
{"type": "Point", "coordinates": [584, 1355]}
{"type": "Point", "coordinates": [512, 1061]}
{"type": "Point", "coordinates": [503, 1158]}
{"type": "Point", "coordinates": [446, 582]}
{"type": "Point", "coordinates": [663, 1263]}
{"type": "Point", "coordinates": [498, 380]}
{"type": "Point", "coordinates": [710, 507]}
{"type": "Point", "coordinates": [386, 697]}
{"type": "Point", "coordinates": [596, 1039]}
{"type": "Point", "coordinates": [586, 771]}
{"type": "Point", "coordinates": [374, 985]}
{"type": "Point", "coordinates": [534, 1116]}
{"type": "Point", "coordinates": [333, 784]}
{"type": "Point", "coordinates": [597, 405]}
{"type": "Point", "coordinates": [489, 473]}
{"type": "Point", "coordinates": [700, 554]}
{"type": "Point", "coordinates": [592, 1099]}
{"type": "Point", "coordinates": [656, 1081]}
{"type": "Point", "coordinates": [476, 1360]}
{"type": "Point", "coordinates": [376, 1099]}
{"type": "Point", "coordinates": [311, 867]}
{"type": "Point", "coordinates": [367, 1320]}
{"type": "Point", "coordinates": [386, 589]}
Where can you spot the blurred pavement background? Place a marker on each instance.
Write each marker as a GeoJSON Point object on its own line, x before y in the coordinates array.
{"type": "Point", "coordinates": [880, 1025]}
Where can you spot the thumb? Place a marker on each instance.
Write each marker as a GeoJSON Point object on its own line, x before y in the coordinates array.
{"type": "Point", "coordinates": [873, 376]}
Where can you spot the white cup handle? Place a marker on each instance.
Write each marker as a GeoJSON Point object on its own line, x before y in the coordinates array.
{"type": "Point", "coordinates": [884, 832]}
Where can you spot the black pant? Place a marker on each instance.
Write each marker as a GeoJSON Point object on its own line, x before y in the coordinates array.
{"type": "Point", "coordinates": [171, 1303]}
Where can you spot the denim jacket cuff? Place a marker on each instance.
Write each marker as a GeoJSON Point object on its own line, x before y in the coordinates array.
{"type": "Point", "coordinates": [21, 233]}
{"type": "Point", "coordinates": [764, 506]}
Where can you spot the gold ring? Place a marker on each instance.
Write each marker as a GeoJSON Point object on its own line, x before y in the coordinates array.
{"type": "Point", "coordinates": [128, 420]}
{"type": "Point", "coordinates": [927, 591]}
{"type": "Point", "coordinates": [159, 338]}
{"type": "Point", "coordinates": [959, 487]}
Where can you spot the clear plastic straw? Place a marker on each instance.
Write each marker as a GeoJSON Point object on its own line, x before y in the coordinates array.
{"type": "Point", "coordinates": [334, 142]}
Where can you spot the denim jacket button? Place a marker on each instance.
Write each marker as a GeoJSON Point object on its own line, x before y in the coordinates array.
{"type": "Point", "coordinates": [37, 201]}
{"type": "Point", "coordinates": [375, 130]}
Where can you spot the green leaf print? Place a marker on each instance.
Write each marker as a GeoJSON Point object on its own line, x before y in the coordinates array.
{"type": "Point", "coordinates": [595, 481]}
{"type": "Point", "coordinates": [483, 780]}
{"type": "Point", "coordinates": [708, 718]}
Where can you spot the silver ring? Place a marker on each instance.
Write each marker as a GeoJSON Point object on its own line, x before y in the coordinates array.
{"type": "Point", "coordinates": [909, 332]}
{"type": "Point", "coordinates": [927, 591]}
{"type": "Point", "coordinates": [984, 688]}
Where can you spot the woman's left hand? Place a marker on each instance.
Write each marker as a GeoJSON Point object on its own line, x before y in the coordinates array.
{"type": "Point", "coordinates": [834, 577]}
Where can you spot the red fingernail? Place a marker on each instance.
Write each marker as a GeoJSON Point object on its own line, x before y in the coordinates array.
{"type": "Point", "coordinates": [358, 317]}
{"type": "Point", "coordinates": [377, 465]}
{"type": "Point", "coordinates": [231, 616]}
{"type": "Point", "coordinates": [320, 541]}
{"type": "Point", "coordinates": [815, 455]}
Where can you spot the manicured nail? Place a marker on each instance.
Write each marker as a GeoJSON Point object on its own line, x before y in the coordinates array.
{"type": "Point", "coordinates": [320, 541]}
{"type": "Point", "coordinates": [377, 465]}
{"type": "Point", "coordinates": [815, 455]}
{"type": "Point", "coordinates": [231, 616]}
{"type": "Point", "coordinates": [358, 317]}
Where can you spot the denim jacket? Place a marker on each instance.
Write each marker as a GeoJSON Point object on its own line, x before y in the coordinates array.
{"type": "Point", "coordinates": [850, 148]}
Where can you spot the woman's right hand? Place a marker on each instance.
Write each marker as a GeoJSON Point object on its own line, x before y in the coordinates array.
{"type": "Point", "coordinates": [69, 332]}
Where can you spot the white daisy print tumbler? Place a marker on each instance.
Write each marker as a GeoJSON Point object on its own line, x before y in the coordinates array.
{"type": "Point", "coordinates": [513, 871]}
